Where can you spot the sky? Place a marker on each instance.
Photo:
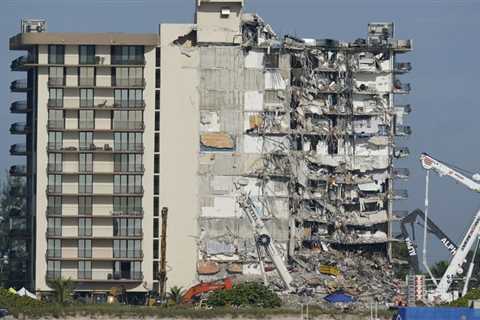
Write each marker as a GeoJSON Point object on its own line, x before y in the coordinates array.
{"type": "Point", "coordinates": [444, 78]}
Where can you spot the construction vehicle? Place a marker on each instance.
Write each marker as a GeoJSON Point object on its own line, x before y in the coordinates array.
{"type": "Point", "coordinates": [263, 239]}
{"type": "Point", "coordinates": [455, 266]}
{"type": "Point", "coordinates": [410, 239]}
{"type": "Point", "coordinates": [205, 287]}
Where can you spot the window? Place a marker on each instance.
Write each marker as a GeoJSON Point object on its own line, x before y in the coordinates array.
{"type": "Point", "coordinates": [86, 98]}
{"type": "Point", "coordinates": [55, 162]}
{"type": "Point", "coordinates": [157, 142]}
{"type": "Point", "coordinates": [155, 228]}
{"type": "Point", "coordinates": [53, 269]}
{"type": "Point", "coordinates": [54, 226]}
{"type": "Point", "coordinates": [85, 227]}
{"type": "Point", "coordinates": [129, 184]}
{"type": "Point", "coordinates": [155, 270]}
{"type": "Point", "coordinates": [127, 55]}
{"type": "Point", "coordinates": [127, 248]}
{"type": "Point", "coordinates": [54, 205]}
{"type": "Point", "coordinates": [156, 206]}
{"type": "Point", "coordinates": [56, 54]}
{"type": "Point", "coordinates": [85, 183]}
{"type": "Point", "coordinates": [155, 249]}
{"type": "Point", "coordinates": [87, 54]}
{"type": "Point", "coordinates": [86, 76]}
{"type": "Point", "coordinates": [85, 270]}
{"type": "Point", "coordinates": [157, 121]}
{"type": "Point", "coordinates": [157, 57]}
{"type": "Point", "coordinates": [85, 162]}
{"type": "Point", "coordinates": [157, 78]}
{"type": "Point", "coordinates": [56, 76]}
{"type": "Point", "coordinates": [55, 140]}
{"type": "Point", "coordinates": [86, 119]}
{"type": "Point", "coordinates": [156, 185]}
{"type": "Point", "coordinates": [127, 77]}
{"type": "Point", "coordinates": [127, 206]}
{"type": "Point", "coordinates": [55, 97]}
{"type": "Point", "coordinates": [127, 120]}
{"type": "Point", "coordinates": [56, 119]}
{"type": "Point", "coordinates": [85, 205]}
{"type": "Point", "coordinates": [272, 61]}
{"type": "Point", "coordinates": [157, 99]}
{"type": "Point", "coordinates": [86, 141]}
{"type": "Point", "coordinates": [85, 248]}
{"type": "Point", "coordinates": [127, 227]}
{"type": "Point", "coordinates": [128, 163]}
{"type": "Point", "coordinates": [54, 248]}
{"type": "Point", "coordinates": [156, 163]}
{"type": "Point", "coordinates": [54, 183]}
{"type": "Point", "coordinates": [128, 98]}
{"type": "Point", "coordinates": [128, 141]}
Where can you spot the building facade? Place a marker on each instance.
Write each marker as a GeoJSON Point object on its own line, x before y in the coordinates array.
{"type": "Point", "coordinates": [121, 125]}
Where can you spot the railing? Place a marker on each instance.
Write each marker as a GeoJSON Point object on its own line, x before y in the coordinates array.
{"type": "Point", "coordinates": [18, 128]}
{"type": "Point", "coordinates": [21, 84]}
{"type": "Point", "coordinates": [129, 104]}
{"type": "Point", "coordinates": [86, 211]}
{"type": "Point", "coordinates": [88, 168]}
{"type": "Point", "coordinates": [403, 130]}
{"type": "Point", "coordinates": [127, 189]}
{"type": "Point", "coordinates": [405, 108]}
{"type": "Point", "coordinates": [127, 212]}
{"type": "Point", "coordinates": [399, 194]}
{"type": "Point", "coordinates": [52, 275]}
{"type": "Point", "coordinates": [399, 87]}
{"type": "Point", "coordinates": [55, 146]}
{"type": "Point", "coordinates": [129, 168]}
{"type": "Point", "coordinates": [127, 125]}
{"type": "Point", "coordinates": [21, 61]}
{"type": "Point", "coordinates": [84, 275]}
{"type": "Point", "coordinates": [85, 253]}
{"type": "Point", "coordinates": [55, 103]}
{"type": "Point", "coordinates": [86, 189]}
{"type": "Point", "coordinates": [125, 232]}
{"type": "Point", "coordinates": [401, 152]}
{"type": "Point", "coordinates": [128, 82]}
{"type": "Point", "coordinates": [86, 124]}
{"type": "Point", "coordinates": [19, 170]}
{"type": "Point", "coordinates": [55, 167]}
{"type": "Point", "coordinates": [54, 189]}
{"type": "Point", "coordinates": [54, 253]}
{"type": "Point", "coordinates": [18, 149]}
{"type": "Point", "coordinates": [19, 106]}
{"type": "Point", "coordinates": [54, 211]}
{"type": "Point", "coordinates": [85, 232]}
{"type": "Point", "coordinates": [86, 103]}
{"type": "Point", "coordinates": [88, 59]}
{"type": "Point", "coordinates": [56, 232]}
{"type": "Point", "coordinates": [119, 254]}
{"type": "Point", "coordinates": [403, 66]}
{"type": "Point", "coordinates": [86, 81]}
{"type": "Point", "coordinates": [128, 147]}
{"type": "Point", "coordinates": [118, 59]}
{"type": "Point", "coordinates": [56, 81]}
{"type": "Point", "coordinates": [401, 172]}
{"type": "Point", "coordinates": [56, 124]}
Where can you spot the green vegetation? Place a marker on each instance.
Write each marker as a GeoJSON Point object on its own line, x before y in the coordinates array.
{"type": "Point", "coordinates": [245, 294]}
{"type": "Point", "coordinates": [62, 290]}
{"type": "Point", "coordinates": [473, 294]}
{"type": "Point", "coordinates": [175, 294]}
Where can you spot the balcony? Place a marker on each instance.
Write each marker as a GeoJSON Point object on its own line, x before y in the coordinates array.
{"type": "Point", "coordinates": [86, 82]}
{"type": "Point", "coordinates": [128, 147]}
{"type": "Point", "coordinates": [54, 211]}
{"type": "Point", "coordinates": [403, 108]}
{"type": "Point", "coordinates": [54, 146]}
{"type": "Point", "coordinates": [401, 45]}
{"type": "Point", "coordinates": [127, 212]}
{"type": "Point", "coordinates": [19, 86]}
{"type": "Point", "coordinates": [403, 131]}
{"type": "Point", "coordinates": [19, 128]}
{"type": "Point", "coordinates": [129, 169]}
{"type": "Point", "coordinates": [53, 253]}
{"type": "Point", "coordinates": [54, 232]}
{"type": "Point", "coordinates": [128, 125]}
{"type": "Point", "coordinates": [127, 190]}
{"type": "Point", "coordinates": [56, 82]}
{"type": "Point", "coordinates": [401, 88]}
{"type": "Point", "coordinates": [54, 167]}
{"type": "Point", "coordinates": [127, 254]}
{"type": "Point", "coordinates": [129, 104]}
{"type": "Point", "coordinates": [53, 275]}
{"type": "Point", "coordinates": [401, 173]}
{"type": "Point", "coordinates": [86, 103]}
{"type": "Point", "coordinates": [18, 171]}
{"type": "Point", "coordinates": [20, 64]}
{"type": "Point", "coordinates": [101, 276]}
{"type": "Point", "coordinates": [128, 83]}
{"type": "Point", "coordinates": [54, 189]}
{"type": "Point", "coordinates": [56, 125]}
{"type": "Point", "coordinates": [86, 124]}
{"type": "Point", "coordinates": [402, 67]}
{"type": "Point", "coordinates": [401, 152]}
{"type": "Point", "coordinates": [55, 103]}
{"type": "Point", "coordinates": [19, 107]}
{"type": "Point", "coordinates": [19, 149]}
{"type": "Point", "coordinates": [119, 60]}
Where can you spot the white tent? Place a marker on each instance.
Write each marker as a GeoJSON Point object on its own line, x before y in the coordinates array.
{"type": "Point", "coordinates": [25, 293]}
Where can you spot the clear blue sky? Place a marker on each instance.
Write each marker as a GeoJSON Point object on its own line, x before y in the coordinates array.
{"type": "Point", "coordinates": [445, 78]}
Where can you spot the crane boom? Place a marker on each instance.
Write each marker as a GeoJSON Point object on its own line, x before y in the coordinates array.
{"type": "Point", "coordinates": [429, 163]}
{"type": "Point", "coordinates": [264, 239]}
{"type": "Point", "coordinates": [455, 265]}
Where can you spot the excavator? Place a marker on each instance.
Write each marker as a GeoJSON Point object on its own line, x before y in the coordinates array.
{"type": "Point", "coordinates": [455, 267]}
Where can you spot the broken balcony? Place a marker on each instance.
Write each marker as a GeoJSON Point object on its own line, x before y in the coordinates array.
{"type": "Point", "coordinates": [401, 173]}
{"type": "Point", "coordinates": [401, 88]}
{"type": "Point", "coordinates": [19, 107]}
{"type": "Point", "coordinates": [403, 108]}
{"type": "Point", "coordinates": [402, 67]}
{"type": "Point", "coordinates": [399, 194]}
{"type": "Point", "coordinates": [401, 152]}
{"type": "Point", "coordinates": [403, 130]}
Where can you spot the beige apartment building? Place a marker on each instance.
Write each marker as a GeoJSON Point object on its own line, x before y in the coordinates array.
{"type": "Point", "coordinates": [120, 125]}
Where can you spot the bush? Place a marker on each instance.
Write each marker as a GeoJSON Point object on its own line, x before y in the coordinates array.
{"type": "Point", "coordinates": [15, 303]}
{"type": "Point", "coordinates": [245, 294]}
{"type": "Point", "coordinates": [473, 294]}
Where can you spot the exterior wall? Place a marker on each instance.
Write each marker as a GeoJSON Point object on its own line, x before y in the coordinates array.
{"type": "Point", "coordinates": [212, 27]}
{"type": "Point", "coordinates": [179, 152]}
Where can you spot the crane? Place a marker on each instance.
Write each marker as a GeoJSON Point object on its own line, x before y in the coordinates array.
{"type": "Point", "coordinates": [456, 263]}
{"type": "Point", "coordinates": [263, 238]}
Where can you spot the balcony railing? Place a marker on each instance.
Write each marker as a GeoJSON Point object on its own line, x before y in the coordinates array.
{"type": "Point", "coordinates": [87, 189]}
{"type": "Point", "coordinates": [128, 147]}
{"type": "Point", "coordinates": [56, 124]}
{"type": "Point", "coordinates": [118, 59]}
{"type": "Point", "coordinates": [54, 211]}
{"type": "Point", "coordinates": [119, 254]}
{"type": "Point", "coordinates": [129, 104]}
{"type": "Point", "coordinates": [128, 82]}
{"type": "Point", "coordinates": [52, 275]}
{"type": "Point", "coordinates": [128, 189]}
{"type": "Point", "coordinates": [401, 152]}
{"type": "Point", "coordinates": [55, 103]}
{"type": "Point", "coordinates": [86, 81]}
{"type": "Point", "coordinates": [125, 232]}
{"type": "Point", "coordinates": [403, 108]}
{"type": "Point", "coordinates": [86, 103]}
{"type": "Point", "coordinates": [55, 232]}
{"type": "Point", "coordinates": [54, 253]}
{"type": "Point", "coordinates": [55, 146]}
{"type": "Point", "coordinates": [19, 85]}
{"type": "Point", "coordinates": [19, 128]}
{"type": "Point", "coordinates": [19, 149]}
{"type": "Point", "coordinates": [127, 212]}
{"type": "Point", "coordinates": [85, 253]}
{"type": "Point", "coordinates": [401, 173]}
{"type": "Point", "coordinates": [134, 168]}
{"type": "Point", "coordinates": [55, 167]}
{"type": "Point", "coordinates": [403, 130]}
{"type": "Point", "coordinates": [54, 189]}
{"type": "Point", "coordinates": [86, 124]}
{"type": "Point", "coordinates": [128, 125]}
{"type": "Point", "coordinates": [19, 63]}
{"type": "Point", "coordinates": [56, 81]}
{"type": "Point", "coordinates": [399, 87]}
{"type": "Point", "coordinates": [18, 171]}
{"type": "Point", "coordinates": [402, 67]}
{"type": "Point", "coordinates": [19, 107]}
{"type": "Point", "coordinates": [84, 275]}
{"type": "Point", "coordinates": [398, 194]}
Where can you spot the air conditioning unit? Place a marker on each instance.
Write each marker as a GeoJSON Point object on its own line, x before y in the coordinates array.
{"type": "Point", "coordinates": [33, 25]}
{"type": "Point", "coordinates": [225, 12]}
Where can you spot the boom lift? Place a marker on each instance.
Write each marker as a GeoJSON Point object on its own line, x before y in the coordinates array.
{"type": "Point", "coordinates": [263, 239]}
{"type": "Point", "coordinates": [456, 263]}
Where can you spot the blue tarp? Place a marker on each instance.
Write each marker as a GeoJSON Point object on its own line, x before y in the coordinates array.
{"type": "Point", "coordinates": [339, 297]}
{"type": "Point", "coordinates": [437, 313]}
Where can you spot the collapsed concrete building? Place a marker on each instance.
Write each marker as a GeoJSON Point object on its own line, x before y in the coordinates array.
{"type": "Point", "coordinates": [308, 128]}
